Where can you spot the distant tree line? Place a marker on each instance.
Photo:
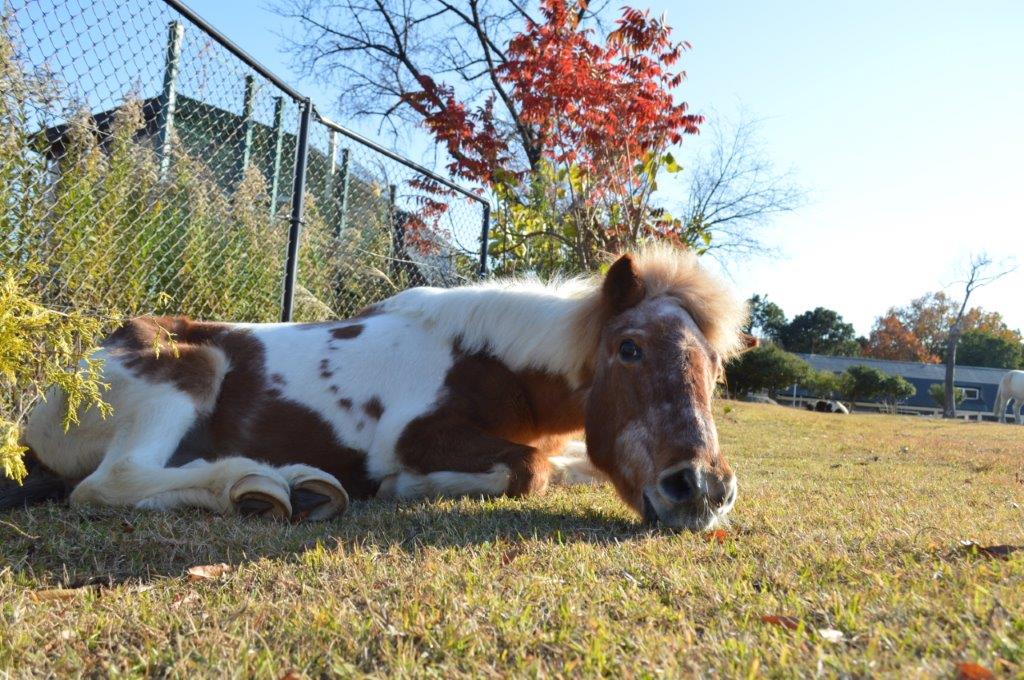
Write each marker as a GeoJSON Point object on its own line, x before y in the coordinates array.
{"type": "Point", "coordinates": [918, 332]}
{"type": "Point", "coordinates": [771, 369]}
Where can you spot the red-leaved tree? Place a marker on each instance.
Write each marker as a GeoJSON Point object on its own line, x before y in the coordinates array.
{"type": "Point", "coordinates": [598, 117]}
{"type": "Point", "coordinates": [891, 339]}
{"type": "Point", "coordinates": [566, 120]}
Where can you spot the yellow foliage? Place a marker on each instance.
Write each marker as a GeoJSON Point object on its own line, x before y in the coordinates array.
{"type": "Point", "coordinates": [39, 347]}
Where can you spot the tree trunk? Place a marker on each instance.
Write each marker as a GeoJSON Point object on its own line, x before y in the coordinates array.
{"type": "Point", "coordinates": [949, 408]}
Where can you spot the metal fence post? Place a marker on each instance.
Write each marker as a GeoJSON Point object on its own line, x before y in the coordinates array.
{"type": "Point", "coordinates": [397, 232]}
{"type": "Point", "coordinates": [298, 195]}
{"type": "Point", "coordinates": [275, 171]}
{"type": "Point", "coordinates": [248, 103]}
{"type": "Point", "coordinates": [343, 201]}
{"type": "Point", "coordinates": [485, 233]}
{"type": "Point", "coordinates": [332, 163]}
{"type": "Point", "coordinates": [168, 96]}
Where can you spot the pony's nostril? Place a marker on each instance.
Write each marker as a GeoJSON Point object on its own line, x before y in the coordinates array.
{"type": "Point", "coordinates": [680, 486]}
{"type": "Point", "coordinates": [730, 494]}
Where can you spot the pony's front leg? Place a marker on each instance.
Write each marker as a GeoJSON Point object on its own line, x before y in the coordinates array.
{"type": "Point", "coordinates": [572, 467]}
{"type": "Point", "coordinates": [460, 459]}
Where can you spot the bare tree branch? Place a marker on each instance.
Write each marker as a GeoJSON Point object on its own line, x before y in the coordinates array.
{"type": "Point", "coordinates": [375, 52]}
{"type": "Point", "coordinates": [980, 274]}
{"type": "Point", "coordinates": [734, 190]}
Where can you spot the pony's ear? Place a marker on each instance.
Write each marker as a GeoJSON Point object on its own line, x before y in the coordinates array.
{"type": "Point", "coordinates": [622, 288]}
{"type": "Point", "coordinates": [749, 342]}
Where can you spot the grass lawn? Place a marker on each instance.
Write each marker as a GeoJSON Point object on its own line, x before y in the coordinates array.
{"type": "Point", "coordinates": [844, 523]}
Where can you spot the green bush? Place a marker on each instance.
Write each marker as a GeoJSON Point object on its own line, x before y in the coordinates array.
{"type": "Point", "coordinates": [864, 383]}
{"type": "Point", "coordinates": [41, 347]}
{"type": "Point", "coordinates": [937, 391]}
{"type": "Point", "coordinates": [764, 368]}
{"type": "Point", "coordinates": [820, 384]}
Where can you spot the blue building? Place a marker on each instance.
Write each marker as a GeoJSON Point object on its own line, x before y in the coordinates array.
{"type": "Point", "coordinates": [979, 384]}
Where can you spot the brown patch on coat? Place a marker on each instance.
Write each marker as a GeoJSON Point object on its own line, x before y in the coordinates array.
{"type": "Point", "coordinates": [367, 311]}
{"type": "Point", "coordinates": [347, 332]}
{"type": "Point", "coordinates": [345, 404]}
{"type": "Point", "coordinates": [246, 414]}
{"type": "Point", "coordinates": [333, 389]}
{"type": "Point", "coordinates": [374, 408]}
{"type": "Point", "coordinates": [172, 350]}
{"type": "Point", "coordinates": [277, 379]}
{"type": "Point", "coordinates": [492, 415]}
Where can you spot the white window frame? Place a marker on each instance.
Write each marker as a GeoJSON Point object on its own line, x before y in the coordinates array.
{"type": "Point", "coordinates": [970, 393]}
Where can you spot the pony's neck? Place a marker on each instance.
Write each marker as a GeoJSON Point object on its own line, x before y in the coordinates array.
{"type": "Point", "coordinates": [526, 324]}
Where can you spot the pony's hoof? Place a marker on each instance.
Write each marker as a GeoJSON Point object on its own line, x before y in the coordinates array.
{"type": "Point", "coordinates": [258, 496]}
{"type": "Point", "coordinates": [258, 505]}
{"type": "Point", "coordinates": [317, 499]}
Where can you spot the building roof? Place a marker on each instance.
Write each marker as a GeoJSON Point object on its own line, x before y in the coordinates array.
{"type": "Point", "coordinates": [907, 369]}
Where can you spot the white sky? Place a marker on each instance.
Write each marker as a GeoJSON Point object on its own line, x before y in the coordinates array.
{"type": "Point", "coordinates": [903, 120]}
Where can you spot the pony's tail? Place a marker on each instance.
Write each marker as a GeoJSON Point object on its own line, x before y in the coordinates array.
{"type": "Point", "coordinates": [39, 486]}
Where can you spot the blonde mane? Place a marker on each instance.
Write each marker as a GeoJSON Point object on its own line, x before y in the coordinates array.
{"type": "Point", "coordinates": [556, 326]}
{"type": "Point", "coordinates": [720, 315]}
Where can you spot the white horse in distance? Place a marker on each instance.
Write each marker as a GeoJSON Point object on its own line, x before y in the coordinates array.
{"type": "Point", "coordinates": [1011, 388]}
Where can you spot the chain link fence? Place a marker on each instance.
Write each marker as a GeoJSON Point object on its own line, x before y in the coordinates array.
{"type": "Point", "coordinates": [148, 165]}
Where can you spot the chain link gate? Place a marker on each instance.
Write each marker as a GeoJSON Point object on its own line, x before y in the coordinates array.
{"type": "Point", "coordinates": [149, 165]}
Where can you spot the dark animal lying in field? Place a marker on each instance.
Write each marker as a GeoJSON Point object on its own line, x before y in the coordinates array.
{"type": "Point", "coordinates": [826, 406]}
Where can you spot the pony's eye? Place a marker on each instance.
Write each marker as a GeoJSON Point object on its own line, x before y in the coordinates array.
{"type": "Point", "coordinates": [629, 351]}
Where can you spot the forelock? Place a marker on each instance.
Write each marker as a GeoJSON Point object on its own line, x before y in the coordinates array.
{"type": "Point", "coordinates": [672, 272]}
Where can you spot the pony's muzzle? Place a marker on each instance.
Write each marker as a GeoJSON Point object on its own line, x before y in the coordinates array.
{"type": "Point", "coordinates": [692, 484]}
{"type": "Point", "coordinates": [690, 496]}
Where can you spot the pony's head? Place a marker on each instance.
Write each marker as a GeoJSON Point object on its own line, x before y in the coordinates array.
{"type": "Point", "coordinates": [663, 328]}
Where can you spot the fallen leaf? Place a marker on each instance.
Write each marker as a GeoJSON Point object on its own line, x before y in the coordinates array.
{"type": "Point", "coordinates": [718, 535]}
{"type": "Point", "coordinates": [999, 551]}
{"type": "Point", "coordinates": [184, 598]}
{"type": "Point", "coordinates": [973, 671]}
{"type": "Point", "coordinates": [831, 635]}
{"type": "Point", "coordinates": [127, 528]}
{"type": "Point", "coordinates": [788, 622]}
{"type": "Point", "coordinates": [208, 572]}
{"type": "Point", "coordinates": [509, 555]}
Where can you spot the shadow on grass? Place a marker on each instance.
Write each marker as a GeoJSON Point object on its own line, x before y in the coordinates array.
{"type": "Point", "coordinates": [54, 545]}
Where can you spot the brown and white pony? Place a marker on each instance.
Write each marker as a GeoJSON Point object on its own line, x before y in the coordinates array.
{"type": "Point", "coordinates": [473, 390]}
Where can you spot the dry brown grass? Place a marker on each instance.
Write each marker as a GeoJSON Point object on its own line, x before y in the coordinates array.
{"type": "Point", "coordinates": [845, 523]}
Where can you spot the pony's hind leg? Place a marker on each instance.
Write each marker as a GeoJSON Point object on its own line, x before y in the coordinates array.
{"type": "Point", "coordinates": [314, 494]}
{"type": "Point", "coordinates": [150, 419]}
{"type": "Point", "coordinates": [134, 469]}
{"type": "Point", "coordinates": [234, 485]}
